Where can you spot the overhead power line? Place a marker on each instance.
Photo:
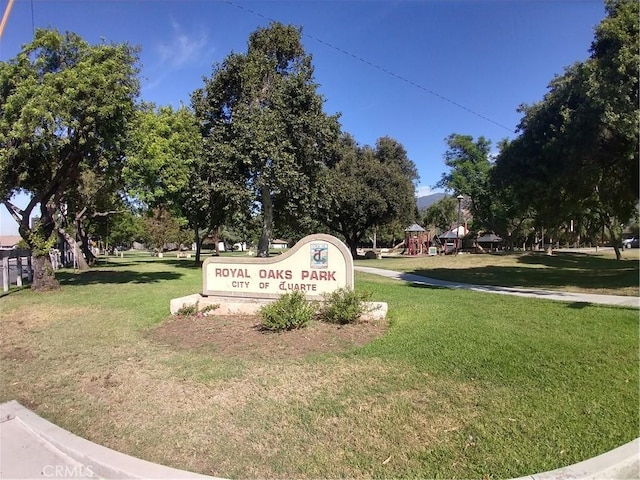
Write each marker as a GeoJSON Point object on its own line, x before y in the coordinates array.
{"type": "Point", "coordinates": [378, 67]}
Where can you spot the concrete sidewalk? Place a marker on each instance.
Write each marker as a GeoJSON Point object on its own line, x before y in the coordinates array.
{"type": "Point", "coordinates": [32, 447]}
{"type": "Point", "coordinates": [578, 298]}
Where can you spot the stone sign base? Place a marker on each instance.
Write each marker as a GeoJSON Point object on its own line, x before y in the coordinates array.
{"type": "Point", "coordinates": [250, 306]}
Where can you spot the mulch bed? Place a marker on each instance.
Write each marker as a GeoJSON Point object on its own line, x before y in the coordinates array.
{"type": "Point", "coordinates": [244, 337]}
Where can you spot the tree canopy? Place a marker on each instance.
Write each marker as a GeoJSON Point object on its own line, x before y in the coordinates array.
{"type": "Point", "coordinates": [368, 187]}
{"type": "Point", "coordinates": [469, 175]}
{"type": "Point", "coordinates": [263, 115]}
{"type": "Point", "coordinates": [442, 214]}
{"type": "Point", "coordinates": [164, 144]}
{"type": "Point", "coordinates": [167, 170]}
{"type": "Point", "coordinates": [65, 110]}
{"type": "Point", "coordinates": [577, 152]}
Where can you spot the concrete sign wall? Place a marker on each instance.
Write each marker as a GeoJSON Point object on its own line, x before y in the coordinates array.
{"type": "Point", "coordinates": [317, 264]}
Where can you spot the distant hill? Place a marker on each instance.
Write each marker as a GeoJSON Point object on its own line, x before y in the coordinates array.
{"type": "Point", "coordinates": [428, 200]}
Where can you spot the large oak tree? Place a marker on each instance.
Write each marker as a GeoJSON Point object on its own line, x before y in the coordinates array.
{"type": "Point", "coordinates": [263, 120]}
{"type": "Point", "coordinates": [166, 169]}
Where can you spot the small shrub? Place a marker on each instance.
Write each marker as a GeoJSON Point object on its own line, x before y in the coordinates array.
{"type": "Point", "coordinates": [209, 308]}
{"type": "Point", "coordinates": [187, 310]}
{"type": "Point", "coordinates": [190, 310]}
{"type": "Point", "coordinates": [343, 306]}
{"type": "Point", "coordinates": [288, 312]}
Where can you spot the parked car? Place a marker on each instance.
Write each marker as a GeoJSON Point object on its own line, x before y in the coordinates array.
{"type": "Point", "coordinates": [631, 243]}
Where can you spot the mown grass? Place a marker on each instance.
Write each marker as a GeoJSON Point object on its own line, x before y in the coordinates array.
{"type": "Point", "coordinates": [463, 385]}
{"type": "Point", "coordinates": [565, 271]}
{"type": "Point", "coordinates": [539, 367]}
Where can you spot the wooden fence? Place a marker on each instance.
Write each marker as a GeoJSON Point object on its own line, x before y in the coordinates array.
{"type": "Point", "coordinates": [16, 266]}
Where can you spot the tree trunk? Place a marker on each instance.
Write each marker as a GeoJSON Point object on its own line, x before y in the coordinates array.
{"type": "Point", "coordinates": [199, 242]}
{"type": "Point", "coordinates": [83, 246]}
{"type": "Point", "coordinates": [39, 240]}
{"type": "Point", "coordinates": [352, 243]}
{"type": "Point", "coordinates": [80, 255]}
{"type": "Point", "coordinates": [616, 249]}
{"type": "Point", "coordinates": [198, 246]}
{"type": "Point", "coordinates": [549, 251]}
{"type": "Point", "coordinates": [80, 261]}
{"type": "Point", "coordinates": [216, 241]}
{"type": "Point", "coordinates": [615, 235]}
{"type": "Point", "coordinates": [43, 275]}
{"type": "Point", "coordinates": [267, 223]}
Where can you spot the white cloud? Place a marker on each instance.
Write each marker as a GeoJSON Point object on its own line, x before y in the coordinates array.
{"type": "Point", "coordinates": [424, 190]}
{"type": "Point", "coordinates": [183, 48]}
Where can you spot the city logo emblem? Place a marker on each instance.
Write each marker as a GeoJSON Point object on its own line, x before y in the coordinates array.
{"type": "Point", "coordinates": [319, 255]}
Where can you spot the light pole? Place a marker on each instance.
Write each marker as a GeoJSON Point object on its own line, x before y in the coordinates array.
{"type": "Point", "coordinates": [459, 197]}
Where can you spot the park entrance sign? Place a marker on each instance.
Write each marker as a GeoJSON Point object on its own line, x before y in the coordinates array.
{"type": "Point", "coordinates": [316, 265]}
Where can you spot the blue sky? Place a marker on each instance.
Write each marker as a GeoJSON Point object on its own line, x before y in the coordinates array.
{"type": "Point", "coordinates": [415, 70]}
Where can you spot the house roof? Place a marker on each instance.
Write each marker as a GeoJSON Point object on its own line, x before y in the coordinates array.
{"type": "Point", "coordinates": [277, 240]}
{"type": "Point", "coordinates": [489, 238]}
{"type": "Point", "coordinates": [459, 232]}
{"type": "Point", "coordinates": [414, 228]}
{"type": "Point", "coordinates": [9, 241]}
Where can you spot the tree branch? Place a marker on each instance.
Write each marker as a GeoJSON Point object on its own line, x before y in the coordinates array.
{"type": "Point", "coordinates": [15, 212]}
{"type": "Point", "coordinates": [104, 214]}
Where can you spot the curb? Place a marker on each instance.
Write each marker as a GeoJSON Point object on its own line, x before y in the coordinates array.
{"type": "Point", "coordinates": [34, 447]}
{"type": "Point", "coordinates": [620, 463]}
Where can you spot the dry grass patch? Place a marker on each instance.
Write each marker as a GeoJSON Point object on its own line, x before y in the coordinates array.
{"type": "Point", "coordinates": [19, 328]}
{"type": "Point", "coordinates": [282, 419]}
{"type": "Point", "coordinates": [219, 396]}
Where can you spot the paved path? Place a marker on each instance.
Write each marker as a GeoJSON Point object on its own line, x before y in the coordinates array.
{"type": "Point", "coordinates": [617, 300]}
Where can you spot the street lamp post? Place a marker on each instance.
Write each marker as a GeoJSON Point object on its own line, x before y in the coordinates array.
{"type": "Point", "coordinates": [459, 198]}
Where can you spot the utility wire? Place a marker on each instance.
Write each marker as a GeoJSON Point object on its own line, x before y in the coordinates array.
{"type": "Point", "coordinates": [377, 67]}
{"type": "Point", "coordinates": [338, 49]}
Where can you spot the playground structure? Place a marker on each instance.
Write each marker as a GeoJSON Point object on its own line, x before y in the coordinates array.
{"type": "Point", "coordinates": [419, 241]}
{"type": "Point", "coordinates": [416, 240]}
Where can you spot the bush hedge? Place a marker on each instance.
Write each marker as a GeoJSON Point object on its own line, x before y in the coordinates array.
{"type": "Point", "coordinates": [288, 312]}
{"type": "Point", "coordinates": [343, 306]}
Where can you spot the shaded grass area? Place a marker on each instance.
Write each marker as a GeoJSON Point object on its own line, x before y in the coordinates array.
{"type": "Point", "coordinates": [464, 384]}
{"type": "Point", "coordinates": [576, 272]}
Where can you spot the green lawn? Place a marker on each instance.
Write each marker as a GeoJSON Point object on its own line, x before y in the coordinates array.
{"type": "Point", "coordinates": [463, 384]}
{"type": "Point", "coordinates": [575, 272]}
